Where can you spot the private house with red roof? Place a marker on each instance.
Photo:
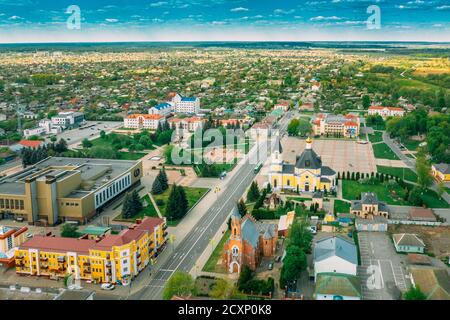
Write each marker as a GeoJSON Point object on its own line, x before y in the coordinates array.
{"type": "Point", "coordinates": [113, 258]}
{"type": "Point", "coordinates": [386, 111]}
{"type": "Point", "coordinates": [34, 144]}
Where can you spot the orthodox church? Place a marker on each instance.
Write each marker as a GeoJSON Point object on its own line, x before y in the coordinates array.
{"type": "Point", "coordinates": [306, 175]}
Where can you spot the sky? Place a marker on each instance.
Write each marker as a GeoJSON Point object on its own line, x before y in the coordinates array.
{"type": "Point", "coordinates": [31, 21]}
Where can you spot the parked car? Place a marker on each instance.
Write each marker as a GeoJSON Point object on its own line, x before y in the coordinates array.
{"type": "Point", "coordinates": [29, 235]}
{"type": "Point", "coordinates": [107, 286]}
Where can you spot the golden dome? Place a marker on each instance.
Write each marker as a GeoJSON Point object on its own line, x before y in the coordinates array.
{"type": "Point", "coordinates": [309, 140]}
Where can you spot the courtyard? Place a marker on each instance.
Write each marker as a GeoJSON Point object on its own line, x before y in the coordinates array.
{"type": "Point", "coordinates": [340, 155]}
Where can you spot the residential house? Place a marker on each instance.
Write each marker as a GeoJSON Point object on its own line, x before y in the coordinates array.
{"type": "Point", "coordinates": [369, 207]}
{"type": "Point", "coordinates": [407, 242]}
{"type": "Point", "coordinates": [441, 171]}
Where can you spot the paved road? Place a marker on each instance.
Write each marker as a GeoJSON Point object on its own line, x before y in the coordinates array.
{"type": "Point", "coordinates": [184, 256]}
{"type": "Point", "coordinates": [411, 163]}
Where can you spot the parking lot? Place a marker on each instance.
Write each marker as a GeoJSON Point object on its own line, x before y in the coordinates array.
{"type": "Point", "coordinates": [382, 270]}
{"type": "Point", "coordinates": [340, 155]}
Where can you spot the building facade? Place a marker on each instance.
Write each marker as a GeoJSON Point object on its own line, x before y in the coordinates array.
{"type": "Point", "coordinates": [143, 121]}
{"type": "Point", "coordinates": [369, 207]}
{"type": "Point", "coordinates": [66, 189]}
{"type": "Point", "coordinates": [186, 104]}
{"type": "Point", "coordinates": [386, 111]}
{"type": "Point", "coordinates": [10, 238]}
{"type": "Point", "coordinates": [329, 125]}
{"type": "Point", "coordinates": [186, 124]}
{"type": "Point", "coordinates": [441, 171]}
{"type": "Point", "coordinates": [306, 175]}
{"type": "Point", "coordinates": [68, 119]}
{"type": "Point", "coordinates": [249, 241]}
{"type": "Point", "coordinates": [111, 259]}
{"type": "Point", "coordinates": [162, 109]}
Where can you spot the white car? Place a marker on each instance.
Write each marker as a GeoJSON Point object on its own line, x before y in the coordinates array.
{"type": "Point", "coordinates": [107, 286]}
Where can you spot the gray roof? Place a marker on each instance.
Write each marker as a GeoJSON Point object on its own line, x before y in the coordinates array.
{"type": "Point", "coordinates": [356, 205]}
{"type": "Point", "coordinates": [327, 171]}
{"type": "Point", "coordinates": [250, 232]}
{"type": "Point", "coordinates": [308, 160]}
{"type": "Point", "coordinates": [323, 179]}
{"type": "Point", "coordinates": [277, 146]}
{"type": "Point", "coordinates": [443, 167]}
{"type": "Point", "coordinates": [335, 246]}
{"type": "Point", "coordinates": [407, 239]}
{"type": "Point", "coordinates": [288, 168]}
{"type": "Point", "coordinates": [369, 198]}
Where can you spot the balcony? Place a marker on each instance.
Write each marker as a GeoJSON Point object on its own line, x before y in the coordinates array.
{"type": "Point", "coordinates": [108, 263]}
{"type": "Point", "coordinates": [44, 259]}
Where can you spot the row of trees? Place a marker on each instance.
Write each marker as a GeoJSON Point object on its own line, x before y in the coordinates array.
{"type": "Point", "coordinates": [300, 127]}
{"type": "Point", "coordinates": [298, 245]}
{"type": "Point", "coordinates": [247, 284]}
{"type": "Point", "coordinates": [31, 156]}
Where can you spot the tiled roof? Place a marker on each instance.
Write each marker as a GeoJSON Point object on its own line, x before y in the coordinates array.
{"type": "Point", "coordinates": [434, 282]}
{"type": "Point", "coordinates": [30, 143]}
{"type": "Point", "coordinates": [59, 244]}
{"type": "Point", "coordinates": [389, 108]}
{"type": "Point", "coordinates": [145, 116]}
{"type": "Point", "coordinates": [422, 214]}
{"type": "Point", "coordinates": [308, 160]}
{"type": "Point", "coordinates": [407, 239]}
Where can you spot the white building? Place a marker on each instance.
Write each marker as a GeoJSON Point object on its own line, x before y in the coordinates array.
{"type": "Point", "coordinates": [162, 109]}
{"type": "Point", "coordinates": [143, 121]}
{"type": "Point", "coordinates": [186, 104]}
{"type": "Point", "coordinates": [66, 119]}
{"type": "Point", "coordinates": [33, 132]}
{"type": "Point", "coordinates": [335, 255]}
{"type": "Point", "coordinates": [186, 124]}
{"type": "Point", "coordinates": [386, 111]}
{"type": "Point", "coordinates": [45, 127]}
{"type": "Point", "coordinates": [283, 105]}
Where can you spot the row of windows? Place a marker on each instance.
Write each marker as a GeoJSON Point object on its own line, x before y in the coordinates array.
{"type": "Point", "coordinates": [70, 204]}
{"type": "Point", "coordinates": [112, 190]}
{"type": "Point", "coordinates": [12, 204]}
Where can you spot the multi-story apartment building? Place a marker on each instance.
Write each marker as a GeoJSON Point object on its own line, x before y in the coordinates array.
{"type": "Point", "coordinates": [10, 238]}
{"type": "Point", "coordinates": [108, 259]}
{"type": "Point", "coordinates": [186, 124]}
{"type": "Point", "coordinates": [386, 111]}
{"type": "Point", "coordinates": [186, 104]}
{"type": "Point", "coordinates": [347, 126]}
{"type": "Point", "coordinates": [143, 121]}
{"type": "Point", "coordinates": [162, 109]}
{"type": "Point", "coordinates": [66, 189]}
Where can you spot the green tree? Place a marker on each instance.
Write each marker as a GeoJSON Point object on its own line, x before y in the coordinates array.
{"type": "Point", "coordinates": [102, 152]}
{"type": "Point", "coordinates": [304, 128]}
{"type": "Point", "coordinates": [423, 168]}
{"type": "Point", "coordinates": [300, 235]}
{"type": "Point", "coordinates": [414, 293]}
{"type": "Point", "coordinates": [293, 264]}
{"type": "Point", "coordinates": [253, 193]}
{"type": "Point", "coordinates": [164, 179]}
{"type": "Point", "coordinates": [440, 189]}
{"type": "Point", "coordinates": [366, 102]}
{"type": "Point", "coordinates": [293, 127]}
{"type": "Point", "coordinates": [86, 143]}
{"type": "Point", "coordinates": [69, 231]}
{"type": "Point", "coordinates": [177, 205]}
{"type": "Point", "coordinates": [415, 197]}
{"type": "Point", "coordinates": [180, 284]}
{"type": "Point", "coordinates": [220, 290]}
{"type": "Point", "coordinates": [242, 208]}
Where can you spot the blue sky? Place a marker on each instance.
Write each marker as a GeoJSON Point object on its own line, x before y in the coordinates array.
{"type": "Point", "coordinates": [223, 20]}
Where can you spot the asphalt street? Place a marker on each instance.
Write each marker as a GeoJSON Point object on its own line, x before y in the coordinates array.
{"type": "Point", "coordinates": [184, 256]}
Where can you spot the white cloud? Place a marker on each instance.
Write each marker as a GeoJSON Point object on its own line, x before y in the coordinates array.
{"type": "Point", "coordinates": [281, 11]}
{"type": "Point", "coordinates": [239, 9]}
{"type": "Point", "coordinates": [322, 18]}
{"type": "Point", "coordinates": [443, 8]}
{"type": "Point", "coordinates": [15, 18]}
{"type": "Point", "coordinates": [111, 20]}
{"type": "Point", "coordinates": [158, 4]}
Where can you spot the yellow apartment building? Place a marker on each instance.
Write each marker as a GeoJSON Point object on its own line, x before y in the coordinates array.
{"type": "Point", "coordinates": [109, 259]}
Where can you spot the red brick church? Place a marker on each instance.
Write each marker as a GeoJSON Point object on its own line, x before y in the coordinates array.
{"type": "Point", "coordinates": [249, 241]}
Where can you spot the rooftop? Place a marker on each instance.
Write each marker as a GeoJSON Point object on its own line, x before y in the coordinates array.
{"type": "Point", "coordinates": [338, 284]}
{"type": "Point", "coordinates": [335, 246]}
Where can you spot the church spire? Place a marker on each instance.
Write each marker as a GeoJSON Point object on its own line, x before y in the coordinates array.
{"type": "Point", "coordinates": [309, 143]}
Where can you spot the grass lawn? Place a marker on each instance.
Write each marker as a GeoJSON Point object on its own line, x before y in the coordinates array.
{"type": "Point", "coordinates": [341, 206]}
{"type": "Point", "coordinates": [411, 144]}
{"type": "Point", "coordinates": [130, 155]}
{"type": "Point", "coordinates": [432, 200]}
{"type": "Point", "coordinates": [99, 142]}
{"type": "Point", "coordinates": [352, 189]}
{"type": "Point", "coordinates": [376, 137]}
{"type": "Point", "coordinates": [192, 194]}
{"type": "Point", "coordinates": [211, 265]}
{"type": "Point", "coordinates": [447, 190]}
{"type": "Point", "coordinates": [383, 151]}
{"type": "Point", "coordinates": [148, 211]}
{"type": "Point", "coordinates": [399, 172]}
{"type": "Point", "coordinates": [300, 199]}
